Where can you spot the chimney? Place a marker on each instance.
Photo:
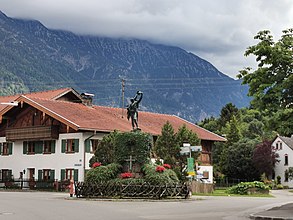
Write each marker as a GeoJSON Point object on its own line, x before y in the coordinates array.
{"type": "Point", "coordinates": [87, 98]}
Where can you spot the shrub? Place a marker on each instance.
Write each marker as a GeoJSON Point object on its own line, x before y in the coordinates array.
{"type": "Point", "coordinates": [278, 180]}
{"type": "Point", "coordinates": [243, 187]}
{"type": "Point", "coordinates": [127, 181]}
{"type": "Point", "coordinates": [154, 177]}
{"type": "Point", "coordinates": [280, 186]}
{"type": "Point", "coordinates": [102, 173]}
{"type": "Point", "coordinates": [136, 144]}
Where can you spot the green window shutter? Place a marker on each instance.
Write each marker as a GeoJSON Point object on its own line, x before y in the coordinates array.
{"type": "Point", "coordinates": [10, 148]}
{"type": "Point", "coordinates": [10, 174]}
{"type": "Point", "coordinates": [75, 175]}
{"type": "Point", "coordinates": [52, 174]}
{"type": "Point", "coordinates": [62, 174]}
{"type": "Point", "coordinates": [40, 175]}
{"type": "Point", "coordinates": [39, 147]}
{"type": "Point", "coordinates": [76, 145]}
{"type": "Point", "coordinates": [0, 148]}
{"type": "Point", "coordinates": [63, 147]}
{"type": "Point", "coordinates": [25, 147]}
{"type": "Point", "coordinates": [87, 144]}
{"type": "Point", "coordinates": [53, 145]}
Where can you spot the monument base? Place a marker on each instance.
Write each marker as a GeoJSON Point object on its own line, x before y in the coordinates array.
{"type": "Point", "coordinates": [136, 130]}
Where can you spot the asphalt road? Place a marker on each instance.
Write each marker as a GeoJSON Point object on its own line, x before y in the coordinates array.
{"type": "Point", "coordinates": [59, 206]}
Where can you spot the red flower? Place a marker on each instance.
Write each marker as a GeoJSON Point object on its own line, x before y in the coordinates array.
{"type": "Point", "coordinates": [96, 164]}
{"type": "Point", "coordinates": [126, 175]}
{"type": "Point", "coordinates": [160, 169]}
{"type": "Point", "coordinates": [167, 166]}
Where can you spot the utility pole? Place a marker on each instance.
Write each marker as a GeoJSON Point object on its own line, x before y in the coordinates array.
{"type": "Point", "coordinates": [123, 91]}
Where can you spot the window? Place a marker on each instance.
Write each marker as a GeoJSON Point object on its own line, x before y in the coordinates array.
{"type": "Point", "coordinates": [91, 145]}
{"type": "Point", "coordinates": [49, 146]}
{"type": "Point", "coordinates": [279, 145]}
{"type": "Point", "coordinates": [5, 148]}
{"type": "Point", "coordinates": [70, 146]}
{"type": "Point", "coordinates": [39, 147]}
{"type": "Point", "coordinates": [31, 173]}
{"type": "Point", "coordinates": [286, 176]}
{"type": "Point", "coordinates": [6, 175]}
{"type": "Point", "coordinates": [68, 174]}
{"type": "Point", "coordinates": [286, 160]}
{"type": "Point", "coordinates": [95, 143]}
{"type": "Point", "coordinates": [46, 174]}
{"type": "Point", "coordinates": [205, 174]}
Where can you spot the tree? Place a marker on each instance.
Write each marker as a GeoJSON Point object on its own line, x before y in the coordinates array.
{"type": "Point", "coordinates": [265, 158]}
{"type": "Point", "coordinates": [212, 124]}
{"type": "Point", "coordinates": [282, 121]}
{"type": "Point", "coordinates": [237, 161]}
{"type": "Point", "coordinates": [233, 134]}
{"type": "Point", "coordinates": [184, 135]}
{"type": "Point", "coordinates": [227, 112]}
{"type": "Point", "coordinates": [105, 150]}
{"type": "Point", "coordinates": [168, 145]}
{"type": "Point", "coordinates": [165, 145]}
{"type": "Point", "coordinates": [271, 84]}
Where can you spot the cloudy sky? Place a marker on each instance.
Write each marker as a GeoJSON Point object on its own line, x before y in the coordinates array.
{"type": "Point", "coordinates": [216, 30]}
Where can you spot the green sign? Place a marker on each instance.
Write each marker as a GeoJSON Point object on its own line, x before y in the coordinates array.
{"type": "Point", "coordinates": [190, 164]}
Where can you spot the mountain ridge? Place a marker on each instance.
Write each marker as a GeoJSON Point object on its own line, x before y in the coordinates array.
{"type": "Point", "coordinates": [37, 58]}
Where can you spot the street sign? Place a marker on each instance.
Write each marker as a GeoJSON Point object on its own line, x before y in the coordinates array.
{"type": "Point", "coordinates": [184, 150]}
{"type": "Point", "coordinates": [195, 148]}
{"type": "Point", "coordinates": [190, 164]}
{"type": "Point", "coordinates": [187, 149]}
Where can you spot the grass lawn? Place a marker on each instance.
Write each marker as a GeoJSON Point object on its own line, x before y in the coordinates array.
{"type": "Point", "coordinates": [222, 192]}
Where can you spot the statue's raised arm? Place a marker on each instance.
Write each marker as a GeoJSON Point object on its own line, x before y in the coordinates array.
{"type": "Point", "coordinates": [140, 94]}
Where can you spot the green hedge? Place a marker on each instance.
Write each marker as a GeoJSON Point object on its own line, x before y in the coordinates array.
{"type": "Point", "coordinates": [136, 144]}
{"type": "Point", "coordinates": [103, 173]}
{"type": "Point", "coordinates": [244, 187]}
{"type": "Point", "coordinates": [168, 176]}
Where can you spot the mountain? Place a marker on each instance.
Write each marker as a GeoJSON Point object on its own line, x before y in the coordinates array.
{"type": "Point", "coordinates": [174, 81]}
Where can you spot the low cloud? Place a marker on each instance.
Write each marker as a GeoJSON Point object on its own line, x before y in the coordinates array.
{"type": "Point", "coordinates": [219, 31]}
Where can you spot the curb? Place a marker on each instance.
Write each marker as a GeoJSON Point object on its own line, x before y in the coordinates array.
{"type": "Point", "coordinates": [262, 217]}
{"type": "Point", "coordinates": [283, 212]}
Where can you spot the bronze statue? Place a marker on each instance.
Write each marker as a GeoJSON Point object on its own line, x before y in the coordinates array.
{"type": "Point", "coordinates": [132, 109]}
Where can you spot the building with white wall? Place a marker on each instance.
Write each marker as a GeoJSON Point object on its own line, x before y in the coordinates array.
{"type": "Point", "coordinates": [284, 148]}
{"type": "Point", "coordinates": [53, 134]}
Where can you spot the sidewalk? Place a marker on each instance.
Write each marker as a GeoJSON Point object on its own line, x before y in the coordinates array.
{"type": "Point", "coordinates": [284, 212]}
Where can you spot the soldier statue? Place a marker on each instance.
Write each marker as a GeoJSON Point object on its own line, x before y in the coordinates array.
{"type": "Point", "coordinates": [132, 110]}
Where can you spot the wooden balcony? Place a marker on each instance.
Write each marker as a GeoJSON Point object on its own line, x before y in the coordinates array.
{"type": "Point", "coordinates": [32, 133]}
{"type": "Point", "coordinates": [205, 158]}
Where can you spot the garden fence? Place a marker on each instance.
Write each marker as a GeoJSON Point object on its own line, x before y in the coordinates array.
{"type": "Point", "coordinates": [119, 190]}
{"type": "Point", "coordinates": [34, 184]}
{"type": "Point", "coordinates": [227, 182]}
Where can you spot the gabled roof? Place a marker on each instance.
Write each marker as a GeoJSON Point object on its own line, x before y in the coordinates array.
{"type": "Point", "coordinates": [288, 141]}
{"type": "Point", "coordinates": [106, 119]}
{"type": "Point", "coordinates": [49, 94]}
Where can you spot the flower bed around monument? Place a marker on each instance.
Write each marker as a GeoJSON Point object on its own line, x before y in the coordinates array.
{"type": "Point", "coordinates": [121, 168]}
{"type": "Point", "coordinates": [108, 182]}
